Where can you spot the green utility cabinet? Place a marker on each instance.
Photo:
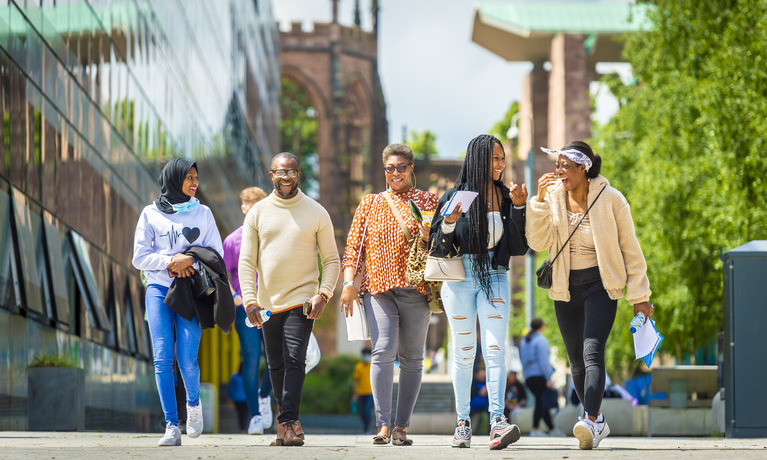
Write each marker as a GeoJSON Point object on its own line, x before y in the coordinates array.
{"type": "Point", "coordinates": [745, 347]}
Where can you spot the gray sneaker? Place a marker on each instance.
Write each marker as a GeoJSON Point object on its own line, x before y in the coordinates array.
{"type": "Point", "coordinates": [462, 436]}
{"type": "Point", "coordinates": [172, 436]}
{"type": "Point", "coordinates": [503, 433]}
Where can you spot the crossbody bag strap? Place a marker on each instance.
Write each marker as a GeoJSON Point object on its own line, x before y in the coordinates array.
{"type": "Point", "coordinates": [362, 240]}
{"type": "Point", "coordinates": [579, 223]}
{"type": "Point", "coordinates": [398, 216]}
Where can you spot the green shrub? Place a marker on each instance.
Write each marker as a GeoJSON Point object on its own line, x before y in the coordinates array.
{"type": "Point", "coordinates": [51, 360]}
{"type": "Point", "coordinates": [328, 387]}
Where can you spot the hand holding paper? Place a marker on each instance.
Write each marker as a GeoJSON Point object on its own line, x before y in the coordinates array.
{"type": "Point", "coordinates": [647, 340]}
{"type": "Point", "coordinates": [462, 197]}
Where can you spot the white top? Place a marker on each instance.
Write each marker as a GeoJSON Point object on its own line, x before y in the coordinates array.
{"type": "Point", "coordinates": [159, 236]}
{"type": "Point", "coordinates": [494, 228]}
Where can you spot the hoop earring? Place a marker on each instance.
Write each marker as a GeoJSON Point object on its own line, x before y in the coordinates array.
{"type": "Point", "coordinates": [414, 180]}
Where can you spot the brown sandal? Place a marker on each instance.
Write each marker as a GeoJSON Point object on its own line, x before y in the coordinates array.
{"type": "Point", "coordinates": [399, 437]}
{"type": "Point", "coordinates": [381, 439]}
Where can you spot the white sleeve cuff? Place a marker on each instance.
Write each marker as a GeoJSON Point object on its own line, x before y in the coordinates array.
{"type": "Point", "coordinates": [447, 228]}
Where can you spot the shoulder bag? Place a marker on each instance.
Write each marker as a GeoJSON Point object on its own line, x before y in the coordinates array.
{"type": "Point", "coordinates": [543, 274]}
{"type": "Point", "coordinates": [357, 324]}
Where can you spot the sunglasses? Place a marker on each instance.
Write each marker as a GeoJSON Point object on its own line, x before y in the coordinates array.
{"type": "Point", "coordinates": [292, 173]}
{"type": "Point", "coordinates": [399, 168]}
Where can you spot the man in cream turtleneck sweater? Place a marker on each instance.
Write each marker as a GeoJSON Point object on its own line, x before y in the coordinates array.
{"type": "Point", "coordinates": [281, 237]}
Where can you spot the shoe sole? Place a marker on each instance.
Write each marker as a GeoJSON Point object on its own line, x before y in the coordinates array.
{"type": "Point", "coordinates": [503, 442]}
{"type": "Point", "coordinates": [461, 444]}
{"type": "Point", "coordinates": [256, 432]}
{"type": "Point", "coordinates": [585, 437]}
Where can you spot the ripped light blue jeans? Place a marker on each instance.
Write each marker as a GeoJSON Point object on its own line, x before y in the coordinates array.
{"type": "Point", "coordinates": [464, 302]}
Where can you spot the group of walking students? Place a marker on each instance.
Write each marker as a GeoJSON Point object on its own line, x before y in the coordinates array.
{"type": "Point", "coordinates": [582, 221]}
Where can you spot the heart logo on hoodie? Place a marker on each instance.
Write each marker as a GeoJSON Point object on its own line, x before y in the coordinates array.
{"type": "Point", "coordinates": [191, 234]}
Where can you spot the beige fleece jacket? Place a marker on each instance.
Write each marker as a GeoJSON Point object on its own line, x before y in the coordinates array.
{"type": "Point", "coordinates": [280, 242]}
{"type": "Point", "coordinates": [619, 256]}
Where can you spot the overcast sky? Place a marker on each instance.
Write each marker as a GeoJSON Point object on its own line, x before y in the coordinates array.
{"type": "Point", "coordinates": [434, 77]}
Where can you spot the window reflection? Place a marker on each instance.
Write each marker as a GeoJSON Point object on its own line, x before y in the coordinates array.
{"type": "Point", "coordinates": [55, 239]}
{"type": "Point", "coordinates": [29, 243]}
{"type": "Point", "coordinates": [85, 274]}
{"type": "Point", "coordinates": [6, 242]}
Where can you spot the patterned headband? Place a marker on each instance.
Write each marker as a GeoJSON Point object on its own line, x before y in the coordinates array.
{"type": "Point", "coordinates": [574, 155]}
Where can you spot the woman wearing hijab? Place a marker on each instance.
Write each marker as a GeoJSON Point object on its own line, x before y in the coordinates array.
{"type": "Point", "coordinates": [166, 228]}
{"type": "Point", "coordinates": [485, 236]}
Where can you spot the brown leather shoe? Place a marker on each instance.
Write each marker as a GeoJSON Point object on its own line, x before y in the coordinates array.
{"type": "Point", "coordinates": [291, 438]}
{"type": "Point", "coordinates": [298, 429]}
{"type": "Point", "coordinates": [281, 431]}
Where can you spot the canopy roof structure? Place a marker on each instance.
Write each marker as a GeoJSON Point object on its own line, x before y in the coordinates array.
{"type": "Point", "coordinates": [522, 31]}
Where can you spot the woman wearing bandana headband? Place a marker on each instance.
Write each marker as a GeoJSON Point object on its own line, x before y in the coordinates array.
{"type": "Point", "coordinates": [601, 261]}
{"type": "Point", "coordinates": [166, 228]}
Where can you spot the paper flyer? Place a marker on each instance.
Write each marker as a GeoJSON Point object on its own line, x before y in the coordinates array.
{"type": "Point", "coordinates": [647, 340]}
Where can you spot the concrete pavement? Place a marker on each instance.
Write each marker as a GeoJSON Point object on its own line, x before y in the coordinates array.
{"type": "Point", "coordinates": [80, 445]}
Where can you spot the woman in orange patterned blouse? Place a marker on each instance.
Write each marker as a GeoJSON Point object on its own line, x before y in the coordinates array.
{"type": "Point", "coordinates": [397, 314]}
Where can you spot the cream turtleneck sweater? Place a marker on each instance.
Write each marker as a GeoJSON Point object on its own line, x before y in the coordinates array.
{"type": "Point", "coordinates": [280, 241]}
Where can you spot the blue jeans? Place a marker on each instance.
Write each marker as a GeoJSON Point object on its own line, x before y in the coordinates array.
{"type": "Point", "coordinates": [365, 406]}
{"type": "Point", "coordinates": [250, 351]}
{"type": "Point", "coordinates": [464, 301]}
{"type": "Point", "coordinates": [169, 331]}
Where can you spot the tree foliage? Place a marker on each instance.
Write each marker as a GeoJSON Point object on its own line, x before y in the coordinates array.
{"type": "Point", "coordinates": [423, 143]}
{"type": "Point", "coordinates": [501, 128]}
{"type": "Point", "coordinates": [687, 148]}
{"type": "Point", "coordinates": [298, 127]}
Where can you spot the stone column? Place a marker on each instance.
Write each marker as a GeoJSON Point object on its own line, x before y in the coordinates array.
{"type": "Point", "coordinates": [569, 101]}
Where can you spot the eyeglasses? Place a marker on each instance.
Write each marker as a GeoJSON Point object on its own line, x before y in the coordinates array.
{"type": "Point", "coordinates": [292, 173]}
{"type": "Point", "coordinates": [400, 168]}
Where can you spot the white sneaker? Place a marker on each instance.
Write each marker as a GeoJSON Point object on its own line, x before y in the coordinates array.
{"type": "Point", "coordinates": [194, 420]}
{"type": "Point", "coordinates": [255, 426]}
{"type": "Point", "coordinates": [537, 434]}
{"type": "Point", "coordinates": [589, 433]}
{"type": "Point", "coordinates": [172, 436]}
{"type": "Point", "coordinates": [556, 433]}
{"type": "Point", "coordinates": [265, 407]}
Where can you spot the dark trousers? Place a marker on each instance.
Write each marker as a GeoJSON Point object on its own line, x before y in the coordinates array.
{"type": "Point", "coordinates": [585, 323]}
{"type": "Point", "coordinates": [365, 407]}
{"type": "Point", "coordinates": [286, 336]}
{"type": "Point", "coordinates": [537, 386]}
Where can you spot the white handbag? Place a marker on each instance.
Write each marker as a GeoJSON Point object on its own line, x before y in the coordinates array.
{"type": "Point", "coordinates": [444, 269]}
{"type": "Point", "coordinates": [357, 325]}
{"type": "Point", "coordinates": [313, 353]}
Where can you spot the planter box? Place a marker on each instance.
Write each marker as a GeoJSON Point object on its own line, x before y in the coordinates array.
{"type": "Point", "coordinates": [55, 399]}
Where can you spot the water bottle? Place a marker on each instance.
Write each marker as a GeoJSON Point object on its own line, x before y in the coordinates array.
{"type": "Point", "coordinates": [637, 322]}
{"type": "Point", "coordinates": [265, 315]}
{"type": "Point", "coordinates": [354, 406]}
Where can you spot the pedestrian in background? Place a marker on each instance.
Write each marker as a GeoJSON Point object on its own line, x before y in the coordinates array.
{"type": "Point", "coordinates": [281, 237]}
{"type": "Point", "coordinates": [601, 260]}
{"type": "Point", "coordinates": [397, 315]}
{"type": "Point", "coordinates": [534, 352]}
{"type": "Point", "coordinates": [484, 236]}
{"type": "Point", "coordinates": [259, 402]}
{"type": "Point", "coordinates": [362, 392]}
{"type": "Point", "coordinates": [166, 228]}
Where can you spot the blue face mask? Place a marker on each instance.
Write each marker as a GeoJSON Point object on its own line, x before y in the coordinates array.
{"type": "Point", "coordinates": [366, 358]}
{"type": "Point", "coordinates": [187, 206]}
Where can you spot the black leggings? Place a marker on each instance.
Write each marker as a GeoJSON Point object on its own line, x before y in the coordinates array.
{"type": "Point", "coordinates": [537, 386]}
{"type": "Point", "coordinates": [585, 323]}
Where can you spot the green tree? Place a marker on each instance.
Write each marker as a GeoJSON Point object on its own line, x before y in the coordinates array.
{"type": "Point", "coordinates": [298, 128]}
{"type": "Point", "coordinates": [687, 148]}
{"type": "Point", "coordinates": [423, 144]}
{"type": "Point", "coordinates": [501, 128]}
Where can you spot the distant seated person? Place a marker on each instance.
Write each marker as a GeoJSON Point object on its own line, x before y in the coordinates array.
{"type": "Point", "coordinates": [516, 396]}
{"type": "Point", "coordinates": [611, 391]}
{"type": "Point", "coordinates": [479, 404]}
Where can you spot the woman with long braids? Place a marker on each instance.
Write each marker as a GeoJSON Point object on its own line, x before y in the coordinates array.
{"type": "Point", "coordinates": [485, 236]}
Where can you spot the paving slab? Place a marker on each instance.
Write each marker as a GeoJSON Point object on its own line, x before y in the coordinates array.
{"type": "Point", "coordinates": [94, 445]}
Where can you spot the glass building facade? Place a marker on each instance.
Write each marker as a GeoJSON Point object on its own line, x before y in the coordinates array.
{"type": "Point", "coordinates": [95, 96]}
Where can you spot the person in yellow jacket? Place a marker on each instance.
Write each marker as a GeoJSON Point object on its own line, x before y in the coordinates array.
{"type": "Point", "coordinates": [362, 392]}
{"type": "Point", "coordinates": [601, 261]}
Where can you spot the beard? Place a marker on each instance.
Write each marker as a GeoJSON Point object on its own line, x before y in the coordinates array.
{"type": "Point", "coordinates": [290, 194]}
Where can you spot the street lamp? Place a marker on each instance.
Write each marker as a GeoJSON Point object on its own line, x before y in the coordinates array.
{"type": "Point", "coordinates": [513, 133]}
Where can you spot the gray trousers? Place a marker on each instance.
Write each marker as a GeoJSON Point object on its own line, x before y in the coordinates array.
{"type": "Point", "coordinates": [398, 320]}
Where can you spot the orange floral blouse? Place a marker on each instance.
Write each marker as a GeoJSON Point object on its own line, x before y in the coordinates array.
{"type": "Point", "coordinates": [385, 250]}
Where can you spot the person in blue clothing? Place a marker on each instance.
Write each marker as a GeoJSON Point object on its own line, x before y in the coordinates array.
{"type": "Point", "coordinates": [534, 354]}
{"type": "Point", "coordinates": [236, 391]}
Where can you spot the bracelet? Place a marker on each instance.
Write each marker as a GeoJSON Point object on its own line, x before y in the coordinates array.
{"type": "Point", "coordinates": [234, 296]}
{"type": "Point", "coordinates": [324, 296]}
{"type": "Point", "coordinates": [348, 283]}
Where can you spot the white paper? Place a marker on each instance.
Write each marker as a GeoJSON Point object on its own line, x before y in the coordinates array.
{"type": "Point", "coordinates": [646, 339]}
{"type": "Point", "coordinates": [462, 197]}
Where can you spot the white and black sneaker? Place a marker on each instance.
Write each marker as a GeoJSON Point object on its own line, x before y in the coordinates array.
{"type": "Point", "coordinates": [503, 433]}
{"type": "Point", "coordinates": [172, 436]}
{"type": "Point", "coordinates": [589, 433]}
{"type": "Point", "coordinates": [194, 420]}
{"type": "Point", "coordinates": [462, 436]}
